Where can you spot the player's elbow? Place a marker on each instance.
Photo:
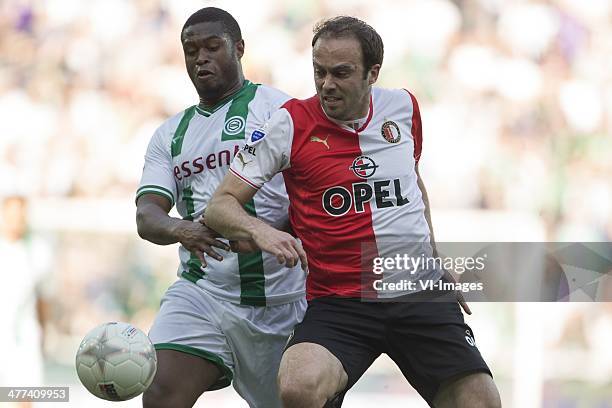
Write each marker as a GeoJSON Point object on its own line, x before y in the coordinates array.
{"type": "Point", "coordinates": [139, 228]}
{"type": "Point", "coordinates": [141, 224]}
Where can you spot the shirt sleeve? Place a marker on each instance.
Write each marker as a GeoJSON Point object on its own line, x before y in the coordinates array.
{"type": "Point", "coordinates": [157, 174]}
{"type": "Point", "coordinates": [276, 99]}
{"type": "Point", "coordinates": [267, 151]}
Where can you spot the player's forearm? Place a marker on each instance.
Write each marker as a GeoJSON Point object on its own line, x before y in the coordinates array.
{"type": "Point", "coordinates": [156, 226]}
{"type": "Point", "coordinates": [227, 216]}
{"type": "Point", "coordinates": [425, 198]}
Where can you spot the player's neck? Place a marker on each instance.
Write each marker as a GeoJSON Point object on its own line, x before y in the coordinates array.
{"type": "Point", "coordinates": [355, 123]}
{"type": "Point", "coordinates": [364, 109]}
{"type": "Point", "coordinates": [210, 101]}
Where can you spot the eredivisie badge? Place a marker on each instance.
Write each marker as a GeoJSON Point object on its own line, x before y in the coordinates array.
{"type": "Point", "coordinates": [391, 132]}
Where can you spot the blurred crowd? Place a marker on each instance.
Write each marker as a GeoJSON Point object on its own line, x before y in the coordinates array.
{"type": "Point", "coordinates": [516, 95]}
{"type": "Point", "coordinates": [516, 99]}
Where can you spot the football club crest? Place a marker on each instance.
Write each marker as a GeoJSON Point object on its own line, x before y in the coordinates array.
{"type": "Point", "coordinates": [234, 125]}
{"type": "Point", "coordinates": [391, 132]}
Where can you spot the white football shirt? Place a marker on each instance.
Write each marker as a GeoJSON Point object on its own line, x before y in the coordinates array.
{"type": "Point", "coordinates": [186, 160]}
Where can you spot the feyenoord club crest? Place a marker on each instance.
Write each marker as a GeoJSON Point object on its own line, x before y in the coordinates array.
{"type": "Point", "coordinates": [390, 131]}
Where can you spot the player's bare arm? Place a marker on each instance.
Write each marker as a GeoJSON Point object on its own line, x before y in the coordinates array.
{"type": "Point", "coordinates": [225, 213]}
{"type": "Point", "coordinates": [421, 185]}
{"type": "Point", "coordinates": [248, 246]}
{"type": "Point", "coordinates": [427, 210]}
{"type": "Point", "coordinates": [157, 226]}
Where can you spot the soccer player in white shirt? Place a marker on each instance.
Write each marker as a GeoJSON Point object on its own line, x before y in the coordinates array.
{"type": "Point", "coordinates": [25, 264]}
{"type": "Point", "coordinates": [229, 315]}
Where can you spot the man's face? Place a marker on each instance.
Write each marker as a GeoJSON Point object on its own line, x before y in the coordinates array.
{"type": "Point", "coordinates": [211, 58]}
{"type": "Point", "coordinates": [342, 87]}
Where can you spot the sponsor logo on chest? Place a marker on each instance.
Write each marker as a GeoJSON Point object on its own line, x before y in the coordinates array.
{"type": "Point", "coordinates": [188, 168]}
{"type": "Point", "coordinates": [363, 167]}
{"type": "Point", "coordinates": [338, 200]}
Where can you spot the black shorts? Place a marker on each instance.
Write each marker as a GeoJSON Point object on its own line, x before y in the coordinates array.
{"type": "Point", "coordinates": [428, 340]}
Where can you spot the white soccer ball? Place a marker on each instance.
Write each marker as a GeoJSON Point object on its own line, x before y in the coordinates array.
{"type": "Point", "coordinates": [116, 361]}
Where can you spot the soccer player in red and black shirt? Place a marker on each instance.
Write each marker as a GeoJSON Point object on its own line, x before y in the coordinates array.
{"type": "Point", "coordinates": [349, 156]}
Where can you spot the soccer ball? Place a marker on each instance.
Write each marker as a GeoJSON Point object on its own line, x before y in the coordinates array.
{"type": "Point", "coordinates": [116, 361]}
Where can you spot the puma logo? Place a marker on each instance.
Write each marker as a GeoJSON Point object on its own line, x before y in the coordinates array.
{"type": "Point", "coordinates": [240, 158]}
{"type": "Point", "coordinates": [318, 139]}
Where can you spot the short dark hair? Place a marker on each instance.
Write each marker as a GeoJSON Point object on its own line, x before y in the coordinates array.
{"type": "Point", "coordinates": [214, 14]}
{"type": "Point", "coordinates": [372, 46]}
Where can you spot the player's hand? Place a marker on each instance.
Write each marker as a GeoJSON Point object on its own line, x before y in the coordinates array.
{"type": "Point", "coordinates": [463, 303]}
{"type": "Point", "coordinates": [287, 249]}
{"type": "Point", "coordinates": [199, 240]}
{"type": "Point", "coordinates": [240, 246]}
{"type": "Point", "coordinates": [449, 276]}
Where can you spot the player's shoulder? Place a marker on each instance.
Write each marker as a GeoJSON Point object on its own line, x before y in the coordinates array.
{"type": "Point", "coordinates": [266, 92]}
{"type": "Point", "coordinates": [267, 100]}
{"type": "Point", "coordinates": [304, 110]}
{"type": "Point", "coordinates": [379, 93]}
{"type": "Point", "coordinates": [167, 128]}
{"type": "Point", "coordinates": [307, 104]}
{"type": "Point", "coordinates": [389, 100]}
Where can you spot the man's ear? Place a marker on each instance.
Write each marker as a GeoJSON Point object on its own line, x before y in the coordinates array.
{"type": "Point", "coordinates": [239, 48]}
{"type": "Point", "coordinates": [373, 74]}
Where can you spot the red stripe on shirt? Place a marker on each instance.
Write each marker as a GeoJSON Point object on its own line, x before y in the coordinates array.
{"type": "Point", "coordinates": [246, 180]}
{"type": "Point", "coordinates": [333, 243]}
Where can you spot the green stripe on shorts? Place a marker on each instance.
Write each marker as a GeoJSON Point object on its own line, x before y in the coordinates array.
{"type": "Point", "coordinates": [226, 374]}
